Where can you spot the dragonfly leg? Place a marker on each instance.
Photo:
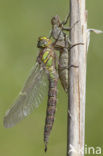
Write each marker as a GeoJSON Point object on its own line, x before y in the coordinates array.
{"type": "Point", "coordinates": [66, 19]}
{"type": "Point", "coordinates": [66, 28]}
{"type": "Point", "coordinates": [73, 45]}
{"type": "Point", "coordinates": [69, 28]}
{"type": "Point", "coordinates": [67, 38]}
{"type": "Point", "coordinates": [72, 66]}
{"type": "Point", "coordinates": [67, 67]}
{"type": "Point", "coordinates": [56, 40]}
{"type": "Point", "coordinates": [56, 60]}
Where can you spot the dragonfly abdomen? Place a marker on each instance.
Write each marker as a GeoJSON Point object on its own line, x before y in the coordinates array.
{"type": "Point", "coordinates": [63, 68]}
{"type": "Point", "coordinates": [51, 108]}
{"type": "Point", "coordinates": [47, 59]}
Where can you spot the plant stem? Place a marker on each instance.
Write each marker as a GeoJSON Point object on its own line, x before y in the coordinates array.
{"type": "Point", "coordinates": [77, 80]}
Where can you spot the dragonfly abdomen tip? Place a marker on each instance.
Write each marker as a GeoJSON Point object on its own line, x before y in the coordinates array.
{"type": "Point", "coordinates": [45, 147]}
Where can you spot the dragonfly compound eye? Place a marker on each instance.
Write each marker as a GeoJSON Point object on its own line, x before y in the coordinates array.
{"type": "Point", "coordinates": [43, 42]}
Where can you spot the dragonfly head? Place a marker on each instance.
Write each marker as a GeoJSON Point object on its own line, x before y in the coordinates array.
{"type": "Point", "coordinates": [55, 20]}
{"type": "Point", "coordinates": [43, 42]}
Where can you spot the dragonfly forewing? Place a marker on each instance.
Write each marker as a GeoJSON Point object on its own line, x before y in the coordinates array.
{"type": "Point", "coordinates": [30, 97]}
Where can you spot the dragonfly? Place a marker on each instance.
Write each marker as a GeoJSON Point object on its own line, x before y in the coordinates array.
{"type": "Point", "coordinates": [43, 72]}
{"type": "Point", "coordinates": [62, 45]}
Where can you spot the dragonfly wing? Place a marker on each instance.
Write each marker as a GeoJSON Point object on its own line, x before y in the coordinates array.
{"type": "Point", "coordinates": [30, 97]}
